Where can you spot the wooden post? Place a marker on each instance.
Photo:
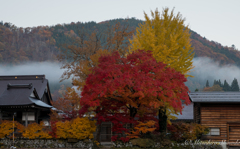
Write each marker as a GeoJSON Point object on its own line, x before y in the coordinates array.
{"type": "Point", "coordinates": [111, 131]}
{"type": "Point", "coordinates": [26, 119]}
{"type": "Point", "coordinates": [13, 129]}
{"type": "Point", "coordinates": [36, 116]}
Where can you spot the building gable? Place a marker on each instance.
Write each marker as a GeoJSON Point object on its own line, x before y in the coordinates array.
{"type": "Point", "coordinates": [24, 90]}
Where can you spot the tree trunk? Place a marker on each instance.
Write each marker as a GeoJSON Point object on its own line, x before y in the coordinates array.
{"type": "Point", "coordinates": [162, 121]}
{"type": "Point", "coordinates": [133, 112]}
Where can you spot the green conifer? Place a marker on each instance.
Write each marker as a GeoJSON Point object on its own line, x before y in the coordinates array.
{"type": "Point", "coordinates": [226, 86]}
{"type": "Point", "coordinates": [214, 82]}
{"type": "Point", "coordinates": [220, 83]}
{"type": "Point", "coordinates": [234, 85]}
{"type": "Point", "coordinates": [207, 84]}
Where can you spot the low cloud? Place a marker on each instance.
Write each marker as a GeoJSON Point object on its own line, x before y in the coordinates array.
{"type": "Point", "coordinates": [51, 70]}
{"type": "Point", "coordinates": [206, 69]}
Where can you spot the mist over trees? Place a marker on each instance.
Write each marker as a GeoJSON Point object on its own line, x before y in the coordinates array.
{"type": "Point", "coordinates": [218, 86]}
{"type": "Point", "coordinates": [206, 71]}
{"type": "Point", "coordinates": [51, 70]}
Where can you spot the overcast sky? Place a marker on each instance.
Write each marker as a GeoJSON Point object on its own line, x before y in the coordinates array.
{"type": "Point", "coordinates": [217, 20]}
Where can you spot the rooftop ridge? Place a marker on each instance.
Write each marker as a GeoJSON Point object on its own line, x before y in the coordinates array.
{"type": "Point", "coordinates": [227, 92]}
{"type": "Point", "coordinates": [19, 86]}
{"type": "Point", "coordinates": [23, 77]}
{"type": "Point", "coordinates": [224, 97]}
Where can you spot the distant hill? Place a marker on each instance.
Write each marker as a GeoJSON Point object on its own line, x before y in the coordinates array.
{"type": "Point", "coordinates": [214, 50]}
{"type": "Point", "coordinates": [43, 43]}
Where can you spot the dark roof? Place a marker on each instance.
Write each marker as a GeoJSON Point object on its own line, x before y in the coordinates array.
{"type": "Point", "coordinates": [215, 97]}
{"type": "Point", "coordinates": [38, 81]}
{"type": "Point", "coordinates": [187, 113]}
{"type": "Point", "coordinates": [16, 96]}
{"type": "Point", "coordinates": [19, 90]}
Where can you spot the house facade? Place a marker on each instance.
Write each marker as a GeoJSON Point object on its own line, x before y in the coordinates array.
{"type": "Point", "coordinates": [26, 97]}
{"type": "Point", "coordinates": [220, 111]}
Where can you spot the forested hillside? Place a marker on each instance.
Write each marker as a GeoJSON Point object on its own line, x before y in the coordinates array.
{"type": "Point", "coordinates": [43, 43]}
{"type": "Point", "coordinates": [214, 50]}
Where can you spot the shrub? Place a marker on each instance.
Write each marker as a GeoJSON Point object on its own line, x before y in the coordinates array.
{"type": "Point", "coordinates": [184, 131]}
{"type": "Point", "coordinates": [6, 128]}
{"type": "Point", "coordinates": [142, 129]}
{"type": "Point", "coordinates": [33, 131]}
{"type": "Point", "coordinates": [79, 128]}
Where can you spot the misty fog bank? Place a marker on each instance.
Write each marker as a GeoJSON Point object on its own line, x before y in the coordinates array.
{"type": "Point", "coordinates": [51, 71]}
{"type": "Point", "coordinates": [206, 69]}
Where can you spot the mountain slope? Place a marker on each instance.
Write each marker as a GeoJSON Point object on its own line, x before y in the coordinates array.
{"type": "Point", "coordinates": [42, 43]}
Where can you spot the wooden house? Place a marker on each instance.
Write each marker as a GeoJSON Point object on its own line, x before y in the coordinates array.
{"type": "Point", "coordinates": [220, 111]}
{"type": "Point", "coordinates": [27, 97]}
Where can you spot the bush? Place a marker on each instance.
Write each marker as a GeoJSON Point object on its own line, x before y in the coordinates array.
{"type": "Point", "coordinates": [34, 131]}
{"type": "Point", "coordinates": [184, 131]}
{"type": "Point", "coordinates": [6, 128]}
{"type": "Point", "coordinates": [143, 143]}
{"type": "Point", "coordinates": [79, 128]}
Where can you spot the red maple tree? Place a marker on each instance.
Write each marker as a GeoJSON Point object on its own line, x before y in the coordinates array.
{"type": "Point", "coordinates": [121, 88]}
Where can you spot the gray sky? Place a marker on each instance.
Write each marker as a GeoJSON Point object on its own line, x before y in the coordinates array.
{"type": "Point", "coordinates": [217, 20]}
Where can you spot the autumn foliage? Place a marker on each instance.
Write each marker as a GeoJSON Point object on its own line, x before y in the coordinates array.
{"type": "Point", "coordinates": [137, 81]}
{"type": "Point", "coordinates": [6, 128]}
{"type": "Point", "coordinates": [167, 37]}
{"type": "Point", "coordinates": [184, 131]}
{"type": "Point", "coordinates": [122, 88]}
{"type": "Point", "coordinates": [142, 128]}
{"type": "Point", "coordinates": [33, 131]}
{"type": "Point", "coordinates": [68, 104]}
{"type": "Point", "coordinates": [79, 128]}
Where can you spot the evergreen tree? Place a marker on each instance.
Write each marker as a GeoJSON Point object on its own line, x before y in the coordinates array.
{"type": "Point", "coordinates": [226, 86]}
{"type": "Point", "coordinates": [234, 85]}
{"type": "Point", "coordinates": [207, 84]}
{"type": "Point", "coordinates": [215, 82]}
{"type": "Point", "coordinates": [220, 83]}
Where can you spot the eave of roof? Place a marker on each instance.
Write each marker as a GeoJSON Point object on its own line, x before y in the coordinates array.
{"type": "Point", "coordinates": [40, 103]}
{"type": "Point", "coordinates": [215, 97]}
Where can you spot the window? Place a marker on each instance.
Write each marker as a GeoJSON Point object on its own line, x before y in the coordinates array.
{"type": "Point", "coordinates": [29, 115]}
{"type": "Point", "coordinates": [214, 131]}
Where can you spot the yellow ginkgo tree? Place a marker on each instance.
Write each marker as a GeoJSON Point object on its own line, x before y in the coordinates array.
{"type": "Point", "coordinates": [168, 39]}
